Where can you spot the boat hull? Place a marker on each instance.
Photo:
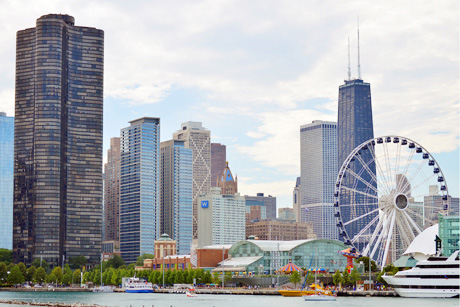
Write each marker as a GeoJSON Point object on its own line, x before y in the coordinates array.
{"type": "Point", "coordinates": [298, 293]}
{"type": "Point", "coordinates": [315, 297]}
{"type": "Point", "coordinates": [139, 290]}
{"type": "Point", "coordinates": [437, 293]}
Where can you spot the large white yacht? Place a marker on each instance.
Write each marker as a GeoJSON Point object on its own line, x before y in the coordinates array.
{"type": "Point", "coordinates": [434, 277]}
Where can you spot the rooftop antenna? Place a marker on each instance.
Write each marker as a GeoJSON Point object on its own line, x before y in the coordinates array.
{"type": "Point", "coordinates": [349, 70]}
{"type": "Point", "coordinates": [359, 62]}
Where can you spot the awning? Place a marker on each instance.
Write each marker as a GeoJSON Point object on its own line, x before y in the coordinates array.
{"type": "Point", "coordinates": [229, 269]}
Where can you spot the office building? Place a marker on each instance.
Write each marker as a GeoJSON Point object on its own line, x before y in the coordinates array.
{"type": "Point", "coordinates": [226, 183]}
{"type": "Point", "coordinates": [318, 173]}
{"type": "Point", "coordinates": [354, 127]}
{"type": "Point", "coordinates": [296, 199]}
{"type": "Point", "coordinates": [176, 192]}
{"type": "Point", "coordinates": [112, 195]}
{"type": "Point", "coordinates": [221, 218]}
{"type": "Point", "coordinates": [218, 159]}
{"type": "Point", "coordinates": [255, 213]}
{"type": "Point", "coordinates": [139, 187]}
{"type": "Point", "coordinates": [269, 202]}
{"type": "Point", "coordinates": [449, 233]}
{"type": "Point", "coordinates": [58, 141]}
{"type": "Point", "coordinates": [280, 230]}
{"type": "Point", "coordinates": [286, 214]}
{"type": "Point", "coordinates": [6, 180]}
{"type": "Point", "coordinates": [198, 139]}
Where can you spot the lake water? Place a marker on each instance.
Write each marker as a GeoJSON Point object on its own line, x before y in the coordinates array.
{"type": "Point", "coordinates": [208, 300]}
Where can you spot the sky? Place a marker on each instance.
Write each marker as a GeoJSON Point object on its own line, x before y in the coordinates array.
{"type": "Point", "coordinates": [253, 72]}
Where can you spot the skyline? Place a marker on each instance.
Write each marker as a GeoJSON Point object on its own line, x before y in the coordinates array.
{"type": "Point", "coordinates": [253, 74]}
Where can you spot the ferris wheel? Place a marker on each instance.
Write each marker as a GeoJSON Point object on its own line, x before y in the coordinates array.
{"type": "Point", "coordinates": [388, 190]}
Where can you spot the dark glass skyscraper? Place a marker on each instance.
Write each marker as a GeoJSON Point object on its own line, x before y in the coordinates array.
{"type": "Point", "coordinates": [58, 141]}
{"type": "Point", "coordinates": [355, 126]}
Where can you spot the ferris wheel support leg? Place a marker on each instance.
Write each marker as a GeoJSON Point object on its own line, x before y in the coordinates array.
{"type": "Point", "coordinates": [374, 234]}
{"type": "Point", "coordinates": [383, 234]}
{"type": "Point", "coordinates": [402, 229]}
{"type": "Point", "coordinates": [390, 233]}
{"type": "Point", "coordinates": [412, 222]}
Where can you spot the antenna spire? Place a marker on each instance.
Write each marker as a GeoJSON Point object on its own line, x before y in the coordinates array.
{"type": "Point", "coordinates": [349, 70]}
{"type": "Point", "coordinates": [359, 62]}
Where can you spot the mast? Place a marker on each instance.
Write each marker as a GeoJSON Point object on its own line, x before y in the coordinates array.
{"type": "Point", "coordinates": [359, 62]}
{"type": "Point", "coordinates": [349, 69]}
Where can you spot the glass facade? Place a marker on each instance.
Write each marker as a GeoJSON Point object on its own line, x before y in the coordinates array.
{"type": "Point", "coordinates": [6, 180]}
{"type": "Point", "coordinates": [276, 254]}
{"type": "Point", "coordinates": [139, 188]}
{"type": "Point", "coordinates": [355, 126]}
{"type": "Point", "coordinates": [58, 141]}
{"type": "Point", "coordinates": [318, 173]}
{"type": "Point", "coordinates": [449, 232]}
{"type": "Point", "coordinates": [176, 194]}
{"type": "Point", "coordinates": [112, 192]}
{"type": "Point", "coordinates": [268, 201]}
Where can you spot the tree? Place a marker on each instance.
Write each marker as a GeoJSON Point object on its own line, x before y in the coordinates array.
{"type": "Point", "coordinates": [30, 273]}
{"type": "Point", "coordinates": [179, 277]}
{"type": "Point", "coordinates": [15, 276]}
{"type": "Point", "coordinates": [6, 255]}
{"type": "Point", "coordinates": [77, 262]}
{"type": "Point", "coordinates": [337, 278]}
{"type": "Point", "coordinates": [23, 268]}
{"type": "Point", "coordinates": [57, 271]}
{"type": "Point", "coordinates": [295, 278]}
{"type": "Point", "coordinates": [77, 276]}
{"type": "Point", "coordinates": [86, 277]}
{"type": "Point", "coordinates": [40, 275]}
{"type": "Point", "coordinates": [172, 277]}
{"type": "Point", "coordinates": [3, 272]}
{"type": "Point", "coordinates": [67, 278]}
{"type": "Point", "coordinates": [116, 261]}
{"type": "Point", "coordinates": [36, 264]}
{"type": "Point", "coordinates": [216, 278]}
{"type": "Point", "coordinates": [140, 259]}
{"type": "Point", "coordinates": [207, 278]}
{"type": "Point", "coordinates": [345, 277]}
{"type": "Point", "coordinates": [190, 276]}
{"type": "Point", "coordinates": [365, 261]}
{"type": "Point", "coordinates": [96, 277]}
{"type": "Point", "coordinates": [355, 276]}
{"type": "Point", "coordinates": [228, 277]}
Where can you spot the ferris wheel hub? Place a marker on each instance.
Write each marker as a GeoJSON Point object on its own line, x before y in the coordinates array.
{"type": "Point", "coordinates": [401, 202]}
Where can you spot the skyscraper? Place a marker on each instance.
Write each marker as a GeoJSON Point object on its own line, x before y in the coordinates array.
{"type": "Point", "coordinates": [6, 180]}
{"type": "Point", "coordinates": [112, 192]}
{"type": "Point", "coordinates": [296, 200]}
{"type": "Point", "coordinates": [176, 194]}
{"type": "Point", "coordinates": [318, 172]}
{"type": "Point", "coordinates": [58, 141]}
{"type": "Point", "coordinates": [227, 183]}
{"type": "Point", "coordinates": [218, 159]}
{"type": "Point", "coordinates": [260, 200]}
{"type": "Point", "coordinates": [198, 139]}
{"type": "Point", "coordinates": [355, 126]}
{"type": "Point", "coordinates": [139, 187]}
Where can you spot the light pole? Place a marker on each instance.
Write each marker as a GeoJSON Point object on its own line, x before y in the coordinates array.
{"type": "Point", "coordinates": [163, 267]}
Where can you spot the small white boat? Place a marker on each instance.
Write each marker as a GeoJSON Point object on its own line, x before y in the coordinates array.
{"type": "Point", "coordinates": [135, 285]}
{"type": "Point", "coordinates": [319, 297]}
{"type": "Point", "coordinates": [104, 289]}
{"type": "Point", "coordinates": [190, 292]}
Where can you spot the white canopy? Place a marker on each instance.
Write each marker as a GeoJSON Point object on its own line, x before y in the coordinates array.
{"type": "Point", "coordinates": [424, 245]}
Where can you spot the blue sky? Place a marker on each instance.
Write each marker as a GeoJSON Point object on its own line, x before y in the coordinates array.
{"type": "Point", "coordinates": [254, 71]}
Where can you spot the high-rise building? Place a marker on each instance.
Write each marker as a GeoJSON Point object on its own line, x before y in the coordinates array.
{"type": "Point", "coordinates": [176, 191]}
{"type": "Point", "coordinates": [139, 187]}
{"type": "Point", "coordinates": [112, 193]}
{"type": "Point", "coordinates": [198, 139]}
{"type": "Point", "coordinates": [6, 180]}
{"type": "Point", "coordinates": [221, 218]}
{"type": "Point", "coordinates": [286, 214]}
{"type": "Point", "coordinates": [227, 183]}
{"type": "Point", "coordinates": [260, 200]}
{"type": "Point", "coordinates": [280, 230]}
{"type": "Point", "coordinates": [296, 199]}
{"type": "Point", "coordinates": [58, 141]}
{"type": "Point", "coordinates": [318, 173]}
{"type": "Point", "coordinates": [218, 159]}
{"type": "Point", "coordinates": [355, 126]}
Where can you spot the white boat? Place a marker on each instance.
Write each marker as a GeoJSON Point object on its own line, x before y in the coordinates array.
{"type": "Point", "coordinates": [190, 292]}
{"type": "Point", "coordinates": [135, 285]}
{"type": "Point", "coordinates": [434, 277]}
{"type": "Point", "coordinates": [319, 297]}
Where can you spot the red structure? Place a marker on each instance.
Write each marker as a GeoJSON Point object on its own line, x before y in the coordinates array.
{"type": "Point", "coordinates": [350, 256]}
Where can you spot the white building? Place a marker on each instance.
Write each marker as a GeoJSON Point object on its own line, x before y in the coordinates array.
{"type": "Point", "coordinates": [221, 218]}
{"type": "Point", "coordinates": [318, 172]}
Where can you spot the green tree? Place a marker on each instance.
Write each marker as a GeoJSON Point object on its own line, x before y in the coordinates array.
{"type": "Point", "coordinates": [140, 259]}
{"type": "Point", "coordinates": [380, 279]}
{"type": "Point", "coordinates": [179, 279]}
{"type": "Point", "coordinates": [96, 277]}
{"type": "Point", "coordinates": [216, 278]}
{"type": "Point", "coordinates": [6, 255]}
{"type": "Point", "coordinates": [228, 277]}
{"type": "Point", "coordinates": [295, 278]}
{"type": "Point", "coordinates": [355, 276]}
{"type": "Point", "coordinates": [36, 264]}
{"type": "Point", "coordinates": [337, 278]}
{"type": "Point", "coordinates": [57, 271]}
{"type": "Point", "coordinates": [77, 276]}
{"type": "Point", "coordinates": [198, 274]}
{"type": "Point", "coordinates": [3, 272]}
{"type": "Point", "coordinates": [23, 268]}
{"type": "Point", "coordinates": [86, 277]}
{"type": "Point", "coordinates": [15, 276]}
{"type": "Point", "coordinates": [67, 278]}
{"type": "Point", "coordinates": [78, 262]}
{"type": "Point", "coordinates": [345, 277]}
{"type": "Point", "coordinates": [30, 273]}
{"type": "Point", "coordinates": [172, 277]}
{"type": "Point", "coordinates": [116, 261]}
{"type": "Point", "coordinates": [207, 278]}
{"type": "Point", "coordinates": [51, 278]}
{"type": "Point", "coordinates": [67, 269]}
{"type": "Point", "coordinates": [190, 276]}
{"type": "Point", "coordinates": [40, 275]}
{"type": "Point", "coordinates": [365, 261]}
